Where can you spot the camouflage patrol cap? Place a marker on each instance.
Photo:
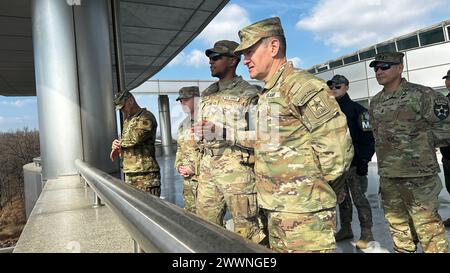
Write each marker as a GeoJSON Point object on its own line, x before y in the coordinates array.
{"type": "Point", "coordinates": [447, 76]}
{"type": "Point", "coordinates": [121, 98]}
{"type": "Point", "coordinates": [188, 92]}
{"type": "Point", "coordinates": [223, 47]}
{"type": "Point", "coordinates": [338, 79]}
{"type": "Point", "coordinates": [251, 34]}
{"type": "Point", "coordinates": [388, 57]}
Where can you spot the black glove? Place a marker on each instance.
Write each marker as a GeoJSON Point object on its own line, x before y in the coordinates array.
{"type": "Point", "coordinates": [362, 167]}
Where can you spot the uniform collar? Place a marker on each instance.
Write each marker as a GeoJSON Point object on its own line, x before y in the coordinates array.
{"type": "Point", "coordinates": [398, 92]}
{"type": "Point", "coordinates": [137, 113]}
{"type": "Point", "coordinates": [271, 83]}
{"type": "Point", "coordinates": [344, 99]}
{"type": "Point", "coordinates": [229, 84]}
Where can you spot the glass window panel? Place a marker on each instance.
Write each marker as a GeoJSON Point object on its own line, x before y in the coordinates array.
{"type": "Point", "coordinates": [432, 36]}
{"type": "Point", "coordinates": [408, 43]}
{"type": "Point", "coordinates": [386, 48]}
{"type": "Point", "coordinates": [351, 59]}
{"type": "Point", "coordinates": [336, 64]}
{"type": "Point", "coordinates": [367, 54]}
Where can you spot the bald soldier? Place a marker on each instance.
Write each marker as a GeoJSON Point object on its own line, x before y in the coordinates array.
{"type": "Point", "coordinates": [302, 146]}
{"type": "Point", "coordinates": [137, 145]}
{"type": "Point", "coordinates": [409, 121]}
{"type": "Point", "coordinates": [226, 177]}
{"type": "Point", "coordinates": [186, 161]}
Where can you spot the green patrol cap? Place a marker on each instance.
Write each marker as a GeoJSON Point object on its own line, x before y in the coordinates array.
{"type": "Point", "coordinates": [188, 92]}
{"type": "Point", "coordinates": [447, 76]}
{"type": "Point", "coordinates": [251, 34]}
{"type": "Point", "coordinates": [223, 47]}
{"type": "Point", "coordinates": [388, 57]}
{"type": "Point", "coordinates": [121, 98]}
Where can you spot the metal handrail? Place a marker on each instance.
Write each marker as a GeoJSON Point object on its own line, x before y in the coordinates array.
{"type": "Point", "coordinates": [159, 226]}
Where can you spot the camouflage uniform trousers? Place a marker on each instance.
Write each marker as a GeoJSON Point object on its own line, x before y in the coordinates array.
{"type": "Point", "coordinates": [225, 182]}
{"type": "Point", "coordinates": [414, 198]}
{"type": "Point", "coordinates": [302, 232]}
{"type": "Point", "coordinates": [190, 193]}
{"type": "Point", "coordinates": [354, 186]}
{"type": "Point", "coordinates": [147, 182]}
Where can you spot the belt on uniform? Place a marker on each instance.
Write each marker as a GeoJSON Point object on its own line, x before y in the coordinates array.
{"type": "Point", "coordinates": [221, 151]}
{"type": "Point", "coordinates": [214, 152]}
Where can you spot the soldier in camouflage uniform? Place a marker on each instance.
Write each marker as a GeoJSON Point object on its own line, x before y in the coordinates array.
{"type": "Point", "coordinates": [137, 145]}
{"type": "Point", "coordinates": [226, 167]}
{"type": "Point", "coordinates": [409, 121]}
{"type": "Point", "coordinates": [187, 157]}
{"type": "Point", "coordinates": [356, 178]}
{"type": "Point", "coordinates": [303, 145]}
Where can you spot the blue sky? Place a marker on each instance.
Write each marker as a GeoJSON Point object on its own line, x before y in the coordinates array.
{"type": "Point", "coordinates": [316, 31]}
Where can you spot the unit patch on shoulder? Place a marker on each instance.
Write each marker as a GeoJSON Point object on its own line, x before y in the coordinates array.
{"type": "Point", "coordinates": [317, 107]}
{"type": "Point", "coordinates": [441, 109]}
{"type": "Point", "coordinates": [364, 122]}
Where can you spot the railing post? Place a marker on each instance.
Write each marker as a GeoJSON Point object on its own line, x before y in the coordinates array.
{"type": "Point", "coordinates": [137, 247]}
{"type": "Point", "coordinates": [97, 201]}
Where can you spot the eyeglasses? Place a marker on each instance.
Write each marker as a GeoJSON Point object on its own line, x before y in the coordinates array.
{"type": "Point", "coordinates": [217, 57]}
{"type": "Point", "coordinates": [383, 67]}
{"type": "Point", "coordinates": [335, 86]}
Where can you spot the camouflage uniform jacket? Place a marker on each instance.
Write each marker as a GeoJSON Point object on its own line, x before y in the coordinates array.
{"type": "Point", "coordinates": [303, 143]}
{"type": "Point", "coordinates": [187, 151]}
{"type": "Point", "coordinates": [408, 124]}
{"type": "Point", "coordinates": [229, 106]}
{"type": "Point", "coordinates": [138, 143]}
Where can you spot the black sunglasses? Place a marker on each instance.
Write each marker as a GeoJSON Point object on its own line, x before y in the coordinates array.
{"type": "Point", "coordinates": [335, 86]}
{"type": "Point", "coordinates": [218, 56]}
{"type": "Point", "coordinates": [383, 67]}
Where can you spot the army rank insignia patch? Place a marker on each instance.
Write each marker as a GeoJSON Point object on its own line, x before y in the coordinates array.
{"type": "Point", "coordinates": [441, 109]}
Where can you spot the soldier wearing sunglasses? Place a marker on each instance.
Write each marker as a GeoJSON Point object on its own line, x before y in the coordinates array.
{"type": "Point", "coordinates": [356, 178]}
{"type": "Point", "coordinates": [409, 121]}
{"type": "Point", "coordinates": [226, 178]}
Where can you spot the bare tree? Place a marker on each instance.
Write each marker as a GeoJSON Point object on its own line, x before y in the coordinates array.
{"type": "Point", "coordinates": [16, 149]}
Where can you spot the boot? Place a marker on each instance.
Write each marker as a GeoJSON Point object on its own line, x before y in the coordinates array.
{"type": "Point", "coordinates": [366, 237]}
{"type": "Point", "coordinates": [344, 233]}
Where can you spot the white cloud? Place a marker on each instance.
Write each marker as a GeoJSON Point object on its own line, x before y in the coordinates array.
{"type": "Point", "coordinates": [296, 61]}
{"type": "Point", "coordinates": [18, 103]}
{"type": "Point", "coordinates": [226, 24]}
{"type": "Point", "coordinates": [196, 58]}
{"type": "Point", "coordinates": [360, 23]}
{"type": "Point", "coordinates": [13, 120]}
